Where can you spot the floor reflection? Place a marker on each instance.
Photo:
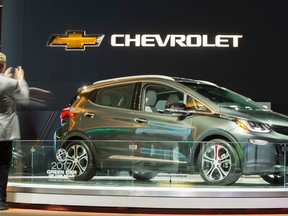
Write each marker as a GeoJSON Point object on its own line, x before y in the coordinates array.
{"type": "Point", "coordinates": [162, 180]}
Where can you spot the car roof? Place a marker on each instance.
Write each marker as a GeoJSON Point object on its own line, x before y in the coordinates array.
{"type": "Point", "coordinates": [140, 77]}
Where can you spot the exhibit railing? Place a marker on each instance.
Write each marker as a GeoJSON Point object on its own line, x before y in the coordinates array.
{"type": "Point", "coordinates": [216, 163]}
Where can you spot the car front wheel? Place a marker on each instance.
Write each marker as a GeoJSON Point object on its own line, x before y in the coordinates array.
{"type": "Point", "coordinates": [218, 163]}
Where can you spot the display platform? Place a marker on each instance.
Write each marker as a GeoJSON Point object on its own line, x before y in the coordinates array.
{"type": "Point", "coordinates": [164, 191]}
{"type": "Point", "coordinates": [41, 175]}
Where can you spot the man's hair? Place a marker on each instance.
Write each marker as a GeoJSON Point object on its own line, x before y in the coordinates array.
{"type": "Point", "coordinates": [2, 59]}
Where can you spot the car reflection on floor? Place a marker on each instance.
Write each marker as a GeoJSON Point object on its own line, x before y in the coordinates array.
{"type": "Point", "coordinates": [162, 180]}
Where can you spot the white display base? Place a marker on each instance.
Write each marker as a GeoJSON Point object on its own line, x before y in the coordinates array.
{"type": "Point", "coordinates": [175, 195]}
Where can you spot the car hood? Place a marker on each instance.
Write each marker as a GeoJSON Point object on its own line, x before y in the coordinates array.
{"type": "Point", "coordinates": [265, 116]}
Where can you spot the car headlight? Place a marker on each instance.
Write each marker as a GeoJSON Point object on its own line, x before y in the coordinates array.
{"type": "Point", "coordinates": [253, 126]}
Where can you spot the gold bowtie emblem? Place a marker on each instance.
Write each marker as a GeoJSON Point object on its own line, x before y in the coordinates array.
{"type": "Point", "coordinates": [75, 40]}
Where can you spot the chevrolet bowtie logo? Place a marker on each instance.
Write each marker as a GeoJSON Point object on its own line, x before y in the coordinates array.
{"type": "Point", "coordinates": [75, 40]}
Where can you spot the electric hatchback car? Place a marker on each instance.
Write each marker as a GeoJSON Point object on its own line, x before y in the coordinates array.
{"type": "Point", "coordinates": [149, 124]}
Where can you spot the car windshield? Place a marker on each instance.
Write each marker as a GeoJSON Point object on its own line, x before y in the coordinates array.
{"type": "Point", "coordinates": [224, 97]}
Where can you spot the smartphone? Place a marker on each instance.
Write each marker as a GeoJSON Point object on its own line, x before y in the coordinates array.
{"type": "Point", "coordinates": [12, 70]}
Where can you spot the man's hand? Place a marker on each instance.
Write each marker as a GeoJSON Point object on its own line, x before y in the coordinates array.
{"type": "Point", "coordinates": [19, 73]}
{"type": "Point", "coordinates": [8, 72]}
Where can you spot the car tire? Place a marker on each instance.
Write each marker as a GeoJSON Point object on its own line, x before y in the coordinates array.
{"type": "Point", "coordinates": [274, 179]}
{"type": "Point", "coordinates": [143, 176]}
{"type": "Point", "coordinates": [218, 163]}
{"type": "Point", "coordinates": [80, 160]}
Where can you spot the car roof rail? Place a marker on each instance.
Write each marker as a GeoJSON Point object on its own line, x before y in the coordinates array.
{"type": "Point", "coordinates": [134, 77]}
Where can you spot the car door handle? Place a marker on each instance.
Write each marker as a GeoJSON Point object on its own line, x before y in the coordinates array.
{"type": "Point", "coordinates": [140, 120]}
{"type": "Point", "coordinates": [89, 115]}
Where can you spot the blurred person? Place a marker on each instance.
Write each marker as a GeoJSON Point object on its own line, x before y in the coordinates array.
{"type": "Point", "coordinates": [13, 87]}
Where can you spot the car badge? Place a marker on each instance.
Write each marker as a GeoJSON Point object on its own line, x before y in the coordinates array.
{"type": "Point", "coordinates": [75, 40]}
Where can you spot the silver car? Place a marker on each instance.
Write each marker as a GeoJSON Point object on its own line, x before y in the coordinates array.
{"type": "Point", "coordinates": [149, 124]}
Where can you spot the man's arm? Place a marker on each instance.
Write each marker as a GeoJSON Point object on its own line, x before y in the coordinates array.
{"type": "Point", "coordinates": [22, 88]}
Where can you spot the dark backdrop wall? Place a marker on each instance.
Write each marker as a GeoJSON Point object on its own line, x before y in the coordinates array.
{"type": "Point", "coordinates": [256, 68]}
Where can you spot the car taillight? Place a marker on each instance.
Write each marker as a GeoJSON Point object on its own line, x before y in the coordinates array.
{"type": "Point", "coordinates": [66, 113]}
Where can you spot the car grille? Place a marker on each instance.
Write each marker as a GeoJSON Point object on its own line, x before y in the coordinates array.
{"type": "Point", "coordinates": [280, 129]}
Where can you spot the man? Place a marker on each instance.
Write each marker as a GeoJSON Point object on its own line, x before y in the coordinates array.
{"type": "Point", "coordinates": [12, 87]}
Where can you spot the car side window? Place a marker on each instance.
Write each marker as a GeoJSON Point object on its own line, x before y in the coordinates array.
{"type": "Point", "coordinates": [119, 96]}
{"type": "Point", "coordinates": [156, 96]}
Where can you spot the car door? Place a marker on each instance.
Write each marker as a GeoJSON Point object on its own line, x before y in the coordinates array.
{"type": "Point", "coordinates": [106, 119]}
{"type": "Point", "coordinates": [158, 135]}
